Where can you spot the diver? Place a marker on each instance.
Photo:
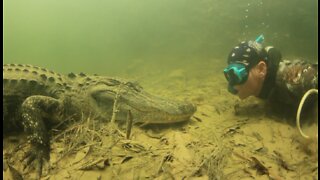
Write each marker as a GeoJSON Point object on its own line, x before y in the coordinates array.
{"type": "Point", "coordinates": [254, 70]}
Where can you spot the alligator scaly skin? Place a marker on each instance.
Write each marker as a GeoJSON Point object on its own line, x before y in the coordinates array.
{"type": "Point", "coordinates": [35, 98]}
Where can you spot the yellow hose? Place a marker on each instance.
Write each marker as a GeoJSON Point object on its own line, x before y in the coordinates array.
{"type": "Point", "coordinates": [299, 110]}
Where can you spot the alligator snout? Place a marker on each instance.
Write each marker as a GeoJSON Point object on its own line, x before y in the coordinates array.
{"type": "Point", "coordinates": [156, 110]}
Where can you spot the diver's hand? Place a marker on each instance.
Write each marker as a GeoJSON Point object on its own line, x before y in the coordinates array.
{"type": "Point", "coordinates": [38, 155]}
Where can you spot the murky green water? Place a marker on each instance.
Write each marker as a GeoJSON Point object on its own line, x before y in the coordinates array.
{"type": "Point", "coordinates": [105, 36]}
{"type": "Point", "coordinates": [175, 49]}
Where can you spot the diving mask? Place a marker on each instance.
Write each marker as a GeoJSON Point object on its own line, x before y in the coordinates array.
{"type": "Point", "coordinates": [236, 74]}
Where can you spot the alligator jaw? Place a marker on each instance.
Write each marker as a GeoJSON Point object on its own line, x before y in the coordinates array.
{"type": "Point", "coordinates": [161, 111]}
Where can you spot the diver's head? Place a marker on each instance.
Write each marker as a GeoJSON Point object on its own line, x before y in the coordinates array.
{"type": "Point", "coordinates": [246, 69]}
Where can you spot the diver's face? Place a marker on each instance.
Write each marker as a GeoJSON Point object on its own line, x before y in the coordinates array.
{"type": "Point", "coordinates": [253, 85]}
{"type": "Point", "coordinates": [248, 88]}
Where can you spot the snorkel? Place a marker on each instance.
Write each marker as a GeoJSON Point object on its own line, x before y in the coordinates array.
{"type": "Point", "coordinates": [260, 39]}
{"type": "Point", "coordinates": [257, 44]}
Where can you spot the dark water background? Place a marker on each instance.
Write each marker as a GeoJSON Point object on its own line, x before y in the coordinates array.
{"type": "Point", "coordinates": [105, 36]}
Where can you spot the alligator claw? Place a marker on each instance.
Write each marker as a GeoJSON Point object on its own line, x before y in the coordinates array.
{"type": "Point", "coordinates": [38, 155]}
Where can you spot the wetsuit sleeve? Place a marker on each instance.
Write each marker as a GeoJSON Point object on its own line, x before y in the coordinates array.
{"type": "Point", "coordinates": [297, 77]}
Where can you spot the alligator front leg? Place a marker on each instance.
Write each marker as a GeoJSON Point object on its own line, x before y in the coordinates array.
{"type": "Point", "coordinates": [34, 110]}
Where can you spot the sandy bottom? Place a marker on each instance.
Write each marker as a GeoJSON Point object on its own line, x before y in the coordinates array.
{"type": "Point", "coordinates": [225, 139]}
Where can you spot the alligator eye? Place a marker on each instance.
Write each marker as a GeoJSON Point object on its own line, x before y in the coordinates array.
{"type": "Point", "coordinates": [104, 98]}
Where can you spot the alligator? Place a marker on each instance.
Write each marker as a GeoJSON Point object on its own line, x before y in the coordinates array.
{"type": "Point", "coordinates": [35, 98]}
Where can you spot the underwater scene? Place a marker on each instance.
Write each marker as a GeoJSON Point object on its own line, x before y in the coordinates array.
{"type": "Point", "coordinates": [150, 89]}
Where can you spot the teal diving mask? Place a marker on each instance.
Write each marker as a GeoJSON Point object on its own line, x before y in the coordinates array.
{"type": "Point", "coordinates": [236, 74]}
